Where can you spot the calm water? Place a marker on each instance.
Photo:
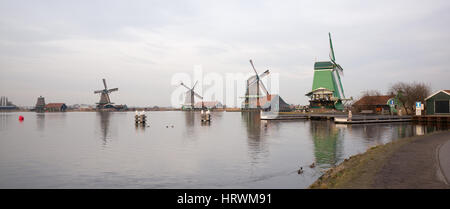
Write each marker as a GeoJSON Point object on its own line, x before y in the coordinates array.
{"type": "Point", "coordinates": [106, 150]}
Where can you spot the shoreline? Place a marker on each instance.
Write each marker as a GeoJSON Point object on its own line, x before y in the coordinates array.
{"type": "Point", "coordinates": [408, 163]}
{"type": "Point", "coordinates": [130, 110]}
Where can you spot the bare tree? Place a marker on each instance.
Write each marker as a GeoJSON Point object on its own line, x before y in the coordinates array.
{"type": "Point", "coordinates": [409, 93]}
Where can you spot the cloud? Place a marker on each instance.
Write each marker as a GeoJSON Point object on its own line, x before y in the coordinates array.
{"type": "Point", "coordinates": [60, 49]}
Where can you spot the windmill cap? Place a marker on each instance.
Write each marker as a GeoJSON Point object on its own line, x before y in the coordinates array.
{"type": "Point", "coordinates": [323, 65]}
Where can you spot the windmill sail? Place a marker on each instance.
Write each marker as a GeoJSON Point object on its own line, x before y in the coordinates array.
{"type": "Point", "coordinates": [332, 57]}
{"type": "Point", "coordinates": [338, 82]}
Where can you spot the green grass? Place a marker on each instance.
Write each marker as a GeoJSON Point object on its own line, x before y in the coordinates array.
{"type": "Point", "coordinates": [358, 171]}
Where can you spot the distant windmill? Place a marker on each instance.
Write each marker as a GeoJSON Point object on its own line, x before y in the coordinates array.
{"type": "Point", "coordinates": [189, 102]}
{"type": "Point", "coordinates": [104, 97]}
{"type": "Point", "coordinates": [254, 84]}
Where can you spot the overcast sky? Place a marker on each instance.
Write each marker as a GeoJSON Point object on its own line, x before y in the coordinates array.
{"type": "Point", "coordinates": [62, 49]}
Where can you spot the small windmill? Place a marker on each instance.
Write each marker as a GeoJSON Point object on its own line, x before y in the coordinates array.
{"type": "Point", "coordinates": [189, 102]}
{"type": "Point", "coordinates": [254, 84]}
{"type": "Point", "coordinates": [104, 97]}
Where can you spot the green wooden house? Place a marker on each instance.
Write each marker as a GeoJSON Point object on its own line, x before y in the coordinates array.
{"type": "Point", "coordinates": [438, 103]}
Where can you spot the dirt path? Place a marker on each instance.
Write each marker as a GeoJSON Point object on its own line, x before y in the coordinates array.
{"type": "Point", "coordinates": [414, 165]}
{"type": "Point", "coordinates": [417, 162]}
{"type": "Point", "coordinates": [444, 159]}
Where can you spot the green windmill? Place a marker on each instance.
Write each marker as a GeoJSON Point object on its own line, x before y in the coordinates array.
{"type": "Point", "coordinates": [327, 91]}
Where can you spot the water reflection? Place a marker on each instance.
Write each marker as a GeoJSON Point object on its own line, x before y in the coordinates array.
{"type": "Point", "coordinates": [104, 118]}
{"type": "Point", "coordinates": [253, 124]}
{"type": "Point", "coordinates": [419, 130]}
{"type": "Point", "coordinates": [430, 127]}
{"type": "Point", "coordinates": [190, 121]}
{"type": "Point", "coordinates": [40, 121]}
{"type": "Point", "coordinates": [237, 148]}
{"type": "Point", "coordinates": [4, 117]}
{"type": "Point", "coordinates": [404, 130]}
{"type": "Point", "coordinates": [205, 123]}
{"type": "Point", "coordinates": [256, 142]}
{"type": "Point", "coordinates": [326, 139]}
{"type": "Point", "coordinates": [140, 127]}
{"type": "Point", "coordinates": [190, 118]}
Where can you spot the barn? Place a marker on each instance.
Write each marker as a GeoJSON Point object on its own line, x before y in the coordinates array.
{"type": "Point", "coordinates": [271, 103]}
{"type": "Point", "coordinates": [373, 104]}
{"type": "Point", "coordinates": [55, 107]}
{"type": "Point", "coordinates": [438, 103]}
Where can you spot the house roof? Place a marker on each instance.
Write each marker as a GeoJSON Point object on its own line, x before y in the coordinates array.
{"type": "Point", "coordinates": [432, 95]}
{"type": "Point", "coordinates": [266, 102]}
{"type": "Point", "coordinates": [54, 105]}
{"type": "Point", "coordinates": [373, 100]}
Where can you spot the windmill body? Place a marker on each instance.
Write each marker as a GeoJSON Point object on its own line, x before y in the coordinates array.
{"type": "Point", "coordinates": [255, 89]}
{"type": "Point", "coordinates": [189, 101]}
{"type": "Point", "coordinates": [327, 90]}
{"type": "Point", "coordinates": [105, 101]}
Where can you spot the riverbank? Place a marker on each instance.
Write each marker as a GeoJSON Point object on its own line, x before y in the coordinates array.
{"type": "Point", "coordinates": [132, 109]}
{"type": "Point", "coordinates": [406, 163]}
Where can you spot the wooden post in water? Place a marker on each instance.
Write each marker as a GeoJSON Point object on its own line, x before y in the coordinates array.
{"type": "Point", "coordinates": [140, 118]}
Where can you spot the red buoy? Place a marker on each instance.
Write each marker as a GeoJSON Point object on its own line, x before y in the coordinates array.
{"type": "Point", "coordinates": [21, 118]}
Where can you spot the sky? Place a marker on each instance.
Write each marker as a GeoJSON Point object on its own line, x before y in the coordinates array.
{"type": "Point", "coordinates": [62, 49]}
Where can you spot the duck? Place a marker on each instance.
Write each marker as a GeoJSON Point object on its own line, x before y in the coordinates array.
{"type": "Point", "coordinates": [300, 171]}
{"type": "Point", "coordinates": [312, 165]}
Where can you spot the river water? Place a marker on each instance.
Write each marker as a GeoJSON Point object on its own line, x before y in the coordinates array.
{"type": "Point", "coordinates": [236, 150]}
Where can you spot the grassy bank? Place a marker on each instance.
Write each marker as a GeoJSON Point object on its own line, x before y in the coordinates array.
{"type": "Point", "coordinates": [359, 170]}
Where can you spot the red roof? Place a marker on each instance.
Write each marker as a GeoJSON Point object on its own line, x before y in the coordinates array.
{"type": "Point", "coordinates": [54, 105]}
{"type": "Point", "coordinates": [373, 100]}
{"type": "Point", "coordinates": [448, 91]}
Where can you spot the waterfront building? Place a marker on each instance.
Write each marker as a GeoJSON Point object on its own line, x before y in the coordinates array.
{"type": "Point", "coordinates": [438, 103]}
{"type": "Point", "coordinates": [373, 104]}
{"type": "Point", "coordinates": [208, 105]}
{"type": "Point", "coordinates": [271, 103]}
{"type": "Point", "coordinates": [55, 107]}
{"type": "Point", "coordinates": [5, 104]}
